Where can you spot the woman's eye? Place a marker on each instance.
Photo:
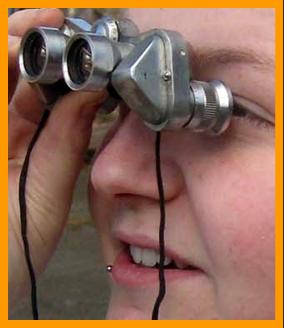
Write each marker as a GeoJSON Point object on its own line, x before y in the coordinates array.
{"type": "Point", "coordinates": [254, 120]}
{"type": "Point", "coordinates": [245, 116]}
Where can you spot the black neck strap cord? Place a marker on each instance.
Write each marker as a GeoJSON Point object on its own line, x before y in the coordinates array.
{"type": "Point", "coordinates": [23, 212]}
{"type": "Point", "coordinates": [23, 219]}
{"type": "Point", "coordinates": [162, 285]}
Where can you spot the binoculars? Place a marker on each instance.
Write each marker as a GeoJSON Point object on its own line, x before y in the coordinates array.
{"type": "Point", "coordinates": [150, 72]}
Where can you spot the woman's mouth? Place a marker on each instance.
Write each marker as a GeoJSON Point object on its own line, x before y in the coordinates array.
{"type": "Point", "coordinates": [148, 257]}
{"type": "Point", "coordinates": [137, 266]}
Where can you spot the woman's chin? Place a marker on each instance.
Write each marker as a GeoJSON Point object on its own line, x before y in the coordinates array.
{"type": "Point", "coordinates": [125, 313]}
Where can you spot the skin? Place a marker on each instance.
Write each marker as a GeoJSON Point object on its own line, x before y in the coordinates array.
{"type": "Point", "coordinates": [219, 191]}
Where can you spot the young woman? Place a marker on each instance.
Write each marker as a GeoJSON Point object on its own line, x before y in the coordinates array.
{"type": "Point", "coordinates": [219, 191]}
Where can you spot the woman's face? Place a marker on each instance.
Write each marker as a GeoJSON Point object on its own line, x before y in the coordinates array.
{"type": "Point", "coordinates": [219, 191]}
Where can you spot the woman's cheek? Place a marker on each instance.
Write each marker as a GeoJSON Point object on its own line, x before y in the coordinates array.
{"type": "Point", "coordinates": [232, 193]}
{"type": "Point", "coordinates": [244, 220]}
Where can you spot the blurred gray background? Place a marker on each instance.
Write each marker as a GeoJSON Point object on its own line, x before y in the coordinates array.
{"type": "Point", "coordinates": [75, 285]}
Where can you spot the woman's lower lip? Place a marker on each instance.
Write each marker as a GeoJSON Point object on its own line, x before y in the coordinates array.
{"type": "Point", "coordinates": [129, 274]}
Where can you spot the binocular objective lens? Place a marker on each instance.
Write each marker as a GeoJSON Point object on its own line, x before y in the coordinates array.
{"type": "Point", "coordinates": [34, 54]}
{"type": "Point", "coordinates": [79, 61]}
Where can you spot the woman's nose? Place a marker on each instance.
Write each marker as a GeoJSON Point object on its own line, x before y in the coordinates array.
{"type": "Point", "coordinates": [126, 165]}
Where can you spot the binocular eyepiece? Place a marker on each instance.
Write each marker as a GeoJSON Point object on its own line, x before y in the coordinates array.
{"type": "Point", "coordinates": [35, 47]}
{"type": "Point", "coordinates": [40, 57]}
{"type": "Point", "coordinates": [88, 62]}
{"type": "Point", "coordinates": [150, 72]}
{"type": "Point", "coordinates": [79, 63]}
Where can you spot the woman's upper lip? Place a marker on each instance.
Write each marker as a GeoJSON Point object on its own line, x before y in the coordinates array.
{"type": "Point", "coordinates": [145, 241]}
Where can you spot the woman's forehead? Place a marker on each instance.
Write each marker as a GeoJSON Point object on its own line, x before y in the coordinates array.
{"type": "Point", "coordinates": [252, 28]}
{"type": "Point", "coordinates": [239, 41]}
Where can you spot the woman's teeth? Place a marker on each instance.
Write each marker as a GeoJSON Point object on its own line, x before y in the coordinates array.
{"type": "Point", "coordinates": [150, 257]}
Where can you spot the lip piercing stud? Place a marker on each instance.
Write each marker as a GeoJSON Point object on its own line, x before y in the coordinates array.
{"type": "Point", "coordinates": [109, 268]}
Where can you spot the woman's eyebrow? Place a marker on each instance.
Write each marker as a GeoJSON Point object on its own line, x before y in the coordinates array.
{"type": "Point", "coordinates": [204, 57]}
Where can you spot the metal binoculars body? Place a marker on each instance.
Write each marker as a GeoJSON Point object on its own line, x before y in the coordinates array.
{"type": "Point", "coordinates": [150, 72]}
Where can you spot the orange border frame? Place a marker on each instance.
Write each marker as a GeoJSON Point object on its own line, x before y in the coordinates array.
{"type": "Point", "coordinates": [278, 5]}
